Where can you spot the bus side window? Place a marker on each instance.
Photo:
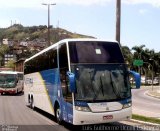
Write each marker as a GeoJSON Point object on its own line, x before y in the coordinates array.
{"type": "Point", "coordinates": [63, 65]}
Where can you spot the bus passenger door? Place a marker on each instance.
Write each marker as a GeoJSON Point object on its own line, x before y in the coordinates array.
{"type": "Point", "coordinates": [67, 107]}
{"type": "Point", "coordinates": [67, 97]}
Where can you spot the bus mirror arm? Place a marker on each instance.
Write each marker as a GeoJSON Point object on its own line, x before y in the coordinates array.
{"type": "Point", "coordinates": [137, 78]}
{"type": "Point", "coordinates": [71, 77]}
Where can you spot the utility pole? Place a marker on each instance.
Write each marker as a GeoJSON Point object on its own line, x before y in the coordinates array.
{"type": "Point", "coordinates": [58, 30]}
{"type": "Point", "coordinates": [49, 42]}
{"type": "Point", "coordinates": [118, 20]}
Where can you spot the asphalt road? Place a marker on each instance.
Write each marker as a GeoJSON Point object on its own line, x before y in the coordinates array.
{"type": "Point", "coordinates": [13, 111]}
{"type": "Point", "coordinates": [145, 105]}
{"type": "Point", "coordinates": [16, 116]}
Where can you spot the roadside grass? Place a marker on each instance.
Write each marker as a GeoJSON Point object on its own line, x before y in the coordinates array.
{"type": "Point", "coordinates": [145, 119]}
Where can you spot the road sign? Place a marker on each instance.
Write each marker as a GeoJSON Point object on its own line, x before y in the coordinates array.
{"type": "Point", "coordinates": [138, 62]}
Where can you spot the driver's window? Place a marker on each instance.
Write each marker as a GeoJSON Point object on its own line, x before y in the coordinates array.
{"type": "Point", "coordinates": [63, 66]}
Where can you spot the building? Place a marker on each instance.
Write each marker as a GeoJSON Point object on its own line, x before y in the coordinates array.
{"type": "Point", "coordinates": [19, 65]}
{"type": "Point", "coordinates": [8, 57]}
{"type": "Point", "coordinates": [7, 42]}
{"type": "Point", "coordinates": [23, 43]}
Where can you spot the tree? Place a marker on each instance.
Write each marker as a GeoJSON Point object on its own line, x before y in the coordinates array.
{"type": "Point", "coordinates": [10, 64]}
{"type": "Point", "coordinates": [151, 60]}
{"type": "Point", "coordinates": [128, 56]}
{"type": "Point", "coordinates": [20, 36]}
{"type": "Point", "coordinates": [146, 66]}
{"type": "Point", "coordinates": [154, 61]}
{"type": "Point", "coordinates": [3, 50]}
{"type": "Point", "coordinates": [138, 53]}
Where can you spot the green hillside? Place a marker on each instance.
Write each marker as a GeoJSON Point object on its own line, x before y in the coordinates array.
{"type": "Point", "coordinates": [20, 33]}
{"type": "Point", "coordinates": [35, 36]}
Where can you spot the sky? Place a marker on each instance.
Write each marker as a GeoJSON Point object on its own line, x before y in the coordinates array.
{"type": "Point", "coordinates": [140, 19]}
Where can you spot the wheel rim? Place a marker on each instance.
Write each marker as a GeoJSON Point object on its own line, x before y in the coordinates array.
{"type": "Point", "coordinates": [58, 115]}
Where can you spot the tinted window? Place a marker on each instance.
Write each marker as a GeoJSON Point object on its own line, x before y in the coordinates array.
{"type": "Point", "coordinates": [45, 61]}
{"type": "Point", "coordinates": [95, 52]}
{"type": "Point", "coordinates": [63, 60]}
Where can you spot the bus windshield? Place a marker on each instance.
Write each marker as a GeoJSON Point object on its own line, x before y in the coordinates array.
{"type": "Point", "coordinates": [100, 72]}
{"type": "Point", "coordinates": [101, 82]}
{"type": "Point", "coordinates": [7, 80]}
{"type": "Point", "coordinates": [95, 52]}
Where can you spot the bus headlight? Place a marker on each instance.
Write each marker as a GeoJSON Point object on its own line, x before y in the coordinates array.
{"type": "Point", "coordinates": [80, 108]}
{"type": "Point", "coordinates": [127, 105]}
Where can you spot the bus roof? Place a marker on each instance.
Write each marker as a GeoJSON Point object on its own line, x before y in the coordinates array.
{"type": "Point", "coordinates": [18, 72]}
{"type": "Point", "coordinates": [8, 72]}
{"type": "Point", "coordinates": [67, 40]}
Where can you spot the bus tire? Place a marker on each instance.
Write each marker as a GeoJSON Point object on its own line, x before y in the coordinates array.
{"type": "Point", "coordinates": [32, 103]}
{"type": "Point", "coordinates": [58, 115]}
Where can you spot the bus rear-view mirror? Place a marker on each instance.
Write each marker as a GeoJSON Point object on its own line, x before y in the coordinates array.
{"type": "Point", "coordinates": [135, 79]}
{"type": "Point", "coordinates": [72, 81]}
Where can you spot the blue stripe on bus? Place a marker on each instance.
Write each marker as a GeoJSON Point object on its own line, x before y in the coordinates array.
{"type": "Point", "coordinates": [127, 100]}
{"type": "Point", "coordinates": [81, 103]}
{"type": "Point", "coordinates": [51, 80]}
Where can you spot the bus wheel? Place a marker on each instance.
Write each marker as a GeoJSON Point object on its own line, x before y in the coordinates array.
{"type": "Point", "coordinates": [32, 103]}
{"type": "Point", "coordinates": [58, 115]}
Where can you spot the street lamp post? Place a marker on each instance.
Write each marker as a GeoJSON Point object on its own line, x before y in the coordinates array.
{"type": "Point", "coordinates": [140, 57]}
{"type": "Point", "coordinates": [152, 72]}
{"type": "Point", "coordinates": [48, 21]}
{"type": "Point", "coordinates": [152, 77]}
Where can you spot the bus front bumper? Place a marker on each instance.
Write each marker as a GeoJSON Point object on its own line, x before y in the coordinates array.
{"type": "Point", "coordinates": [7, 91]}
{"type": "Point", "coordinates": [83, 118]}
{"type": "Point", "coordinates": [1, 91]}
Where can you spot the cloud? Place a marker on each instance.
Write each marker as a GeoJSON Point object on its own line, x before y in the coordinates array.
{"type": "Point", "coordinates": [154, 3]}
{"type": "Point", "coordinates": [37, 3]}
{"type": "Point", "coordinates": [84, 2]}
{"type": "Point", "coordinates": [19, 3]}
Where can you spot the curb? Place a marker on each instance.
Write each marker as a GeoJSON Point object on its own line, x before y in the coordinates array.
{"type": "Point", "coordinates": [147, 93]}
{"type": "Point", "coordinates": [143, 122]}
{"type": "Point", "coordinates": [143, 86]}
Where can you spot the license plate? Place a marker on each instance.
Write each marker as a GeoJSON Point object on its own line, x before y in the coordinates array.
{"type": "Point", "coordinates": [108, 117]}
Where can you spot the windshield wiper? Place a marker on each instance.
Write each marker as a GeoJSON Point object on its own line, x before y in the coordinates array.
{"type": "Point", "coordinates": [100, 87]}
{"type": "Point", "coordinates": [91, 82]}
{"type": "Point", "coordinates": [114, 88]}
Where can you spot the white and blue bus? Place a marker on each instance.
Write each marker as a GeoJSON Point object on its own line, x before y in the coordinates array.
{"type": "Point", "coordinates": [80, 81]}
